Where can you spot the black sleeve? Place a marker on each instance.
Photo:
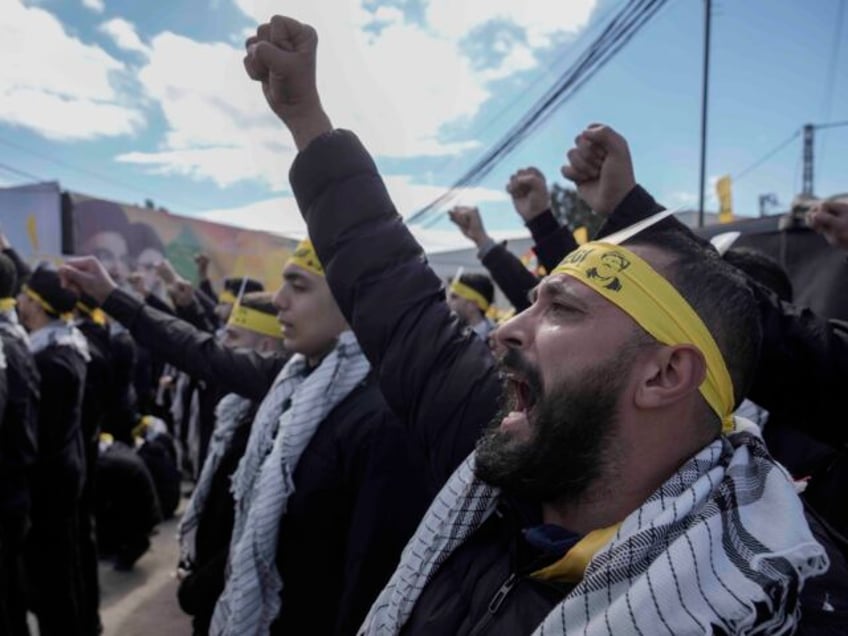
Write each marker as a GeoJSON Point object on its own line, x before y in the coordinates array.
{"type": "Point", "coordinates": [437, 376]}
{"type": "Point", "coordinates": [510, 274]}
{"type": "Point", "coordinates": [207, 305]}
{"type": "Point", "coordinates": [551, 240]}
{"type": "Point", "coordinates": [205, 288]}
{"type": "Point", "coordinates": [194, 315]}
{"type": "Point", "coordinates": [803, 368]}
{"type": "Point", "coordinates": [21, 268]}
{"type": "Point", "coordinates": [196, 352]}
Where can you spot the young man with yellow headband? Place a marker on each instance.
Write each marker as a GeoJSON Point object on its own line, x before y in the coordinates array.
{"type": "Point", "coordinates": [206, 526]}
{"type": "Point", "coordinates": [603, 498]}
{"type": "Point", "coordinates": [328, 490]}
{"type": "Point", "coordinates": [61, 356]}
{"type": "Point", "coordinates": [470, 296]}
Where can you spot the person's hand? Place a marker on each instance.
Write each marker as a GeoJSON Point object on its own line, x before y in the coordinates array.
{"type": "Point", "coordinates": [167, 272]}
{"type": "Point", "coordinates": [181, 292]}
{"type": "Point", "coordinates": [87, 275]}
{"type": "Point", "coordinates": [529, 193]}
{"type": "Point", "coordinates": [282, 57]}
{"type": "Point", "coordinates": [601, 168]}
{"type": "Point", "coordinates": [468, 220]}
{"type": "Point", "coordinates": [136, 281]}
{"type": "Point", "coordinates": [201, 260]}
{"type": "Point", "coordinates": [830, 219]}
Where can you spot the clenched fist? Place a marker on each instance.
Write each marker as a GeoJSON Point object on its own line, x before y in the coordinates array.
{"type": "Point", "coordinates": [282, 57]}
{"type": "Point", "coordinates": [529, 192]}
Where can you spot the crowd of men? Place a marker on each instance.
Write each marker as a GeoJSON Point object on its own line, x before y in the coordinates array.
{"type": "Point", "coordinates": [374, 450]}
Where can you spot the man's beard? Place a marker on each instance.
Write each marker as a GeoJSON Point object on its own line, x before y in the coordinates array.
{"type": "Point", "coordinates": [572, 427]}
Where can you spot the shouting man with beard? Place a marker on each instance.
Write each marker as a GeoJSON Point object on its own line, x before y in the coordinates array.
{"type": "Point", "coordinates": [615, 493]}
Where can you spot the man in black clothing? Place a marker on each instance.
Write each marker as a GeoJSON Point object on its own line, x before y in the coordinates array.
{"type": "Point", "coordinates": [358, 491]}
{"type": "Point", "coordinates": [207, 525]}
{"type": "Point", "coordinates": [18, 447]}
{"type": "Point", "coordinates": [61, 355]}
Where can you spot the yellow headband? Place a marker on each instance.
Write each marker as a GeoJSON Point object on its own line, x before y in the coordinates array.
{"type": "Point", "coordinates": [7, 304]}
{"type": "Point", "coordinates": [464, 291]}
{"type": "Point", "coordinates": [96, 314]}
{"type": "Point", "coordinates": [227, 297]}
{"type": "Point", "coordinates": [634, 286]}
{"type": "Point", "coordinates": [38, 298]}
{"type": "Point", "coordinates": [304, 256]}
{"type": "Point", "coordinates": [255, 321]}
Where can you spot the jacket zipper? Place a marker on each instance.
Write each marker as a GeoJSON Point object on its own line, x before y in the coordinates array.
{"type": "Point", "coordinates": [495, 604]}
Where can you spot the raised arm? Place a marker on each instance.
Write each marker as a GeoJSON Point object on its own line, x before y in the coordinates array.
{"type": "Point", "coordinates": [437, 376]}
{"type": "Point", "coordinates": [194, 351]}
{"type": "Point", "coordinates": [506, 269]}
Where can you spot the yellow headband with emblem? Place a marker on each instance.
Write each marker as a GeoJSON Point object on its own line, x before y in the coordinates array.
{"type": "Point", "coordinates": [305, 257]}
{"type": "Point", "coordinates": [227, 297]}
{"type": "Point", "coordinates": [7, 304]}
{"type": "Point", "coordinates": [464, 291]}
{"type": "Point", "coordinates": [255, 321]}
{"type": "Point", "coordinates": [634, 286]}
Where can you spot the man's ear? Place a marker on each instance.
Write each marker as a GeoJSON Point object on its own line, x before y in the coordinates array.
{"type": "Point", "coordinates": [670, 374]}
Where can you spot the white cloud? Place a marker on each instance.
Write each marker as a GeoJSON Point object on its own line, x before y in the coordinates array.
{"type": "Point", "coordinates": [95, 5]}
{"type": "Point", "coordinates": [53, 83]}
{"type": "Point", "coordinates": [396, 85]}
{"type": "Point", "coordinates": [281, 215]}
{"type": "Point", "coordinates": [124, 35]}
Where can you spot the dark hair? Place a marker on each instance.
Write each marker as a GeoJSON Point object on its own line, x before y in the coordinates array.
{"type": "Point", "coordinates": [141, 237]}
{"type": "Point", "coordinates": [762, 268]}
{"type": "Point", "coordinates": [8, 276]}
{"type": "Point", "coordinates": [260, 301]}
{"type": "Point", "coordinates": [481, 284]}
{"type": "Point", "coordinates": [718, 293]}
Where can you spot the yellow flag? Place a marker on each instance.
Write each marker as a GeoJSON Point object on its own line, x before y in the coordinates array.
{"type": "Point", "coordinates": [725, 214]}
{"type": "Point", "coordinates": [32, 232]}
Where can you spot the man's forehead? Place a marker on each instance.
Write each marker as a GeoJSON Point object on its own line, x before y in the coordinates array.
{"type": "Point", "coordinates": [294, 271]}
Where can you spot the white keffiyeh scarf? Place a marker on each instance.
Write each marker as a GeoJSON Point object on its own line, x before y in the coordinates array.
{"type": "Point", "coordinates": [263, 482]}
{"type": "Point", "coordinates": [60, 334]}
{"type": "Point", "coordinates": [10, 325]}
{"type": "Point", "coordinates": [722, 546]}
{"type": "Point", "coordinates": [229, 414]}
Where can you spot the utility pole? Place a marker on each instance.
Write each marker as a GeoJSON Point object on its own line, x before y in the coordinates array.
{"type": "Point", "coordinates": [809, 137]}
{"type": "Point", "coordinates": [707, 20]}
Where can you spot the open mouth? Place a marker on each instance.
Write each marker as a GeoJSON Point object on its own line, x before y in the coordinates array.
{"type": "Point", "coordinates": [523, 396]}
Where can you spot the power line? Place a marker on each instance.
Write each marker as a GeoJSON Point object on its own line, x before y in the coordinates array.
{"type": "Point", "coordinates": [547, 71]}
{"type": "Point", "coordinates": [835, 124]}
{"type": "Point", "coordinates": [85, 171]}
{"type": "Point", "coordinates": [827, 105]}
{"type": "Point", "coordinates": [767, 156]}
{"type": "Point", "coordinates": [21, 173]}
{"type": "Point", "coordinates": [623, 26]}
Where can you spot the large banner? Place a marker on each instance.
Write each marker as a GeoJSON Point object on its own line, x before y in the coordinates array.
{"type": "Point", "coordinates": [31, 218]}
{"type": "Point", "coordinates": [127, 238]}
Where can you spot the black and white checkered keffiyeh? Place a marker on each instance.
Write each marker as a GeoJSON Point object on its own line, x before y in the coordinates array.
{"type": "Point", "coordinates": [229, 413]}
{"type": "Point", "coordinates": [263, 482]}
{"type": "Point", "coordinates": [722, 546]}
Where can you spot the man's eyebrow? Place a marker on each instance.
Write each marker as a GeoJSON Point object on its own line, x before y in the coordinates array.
{"type": "Point", "coordinates": [559, 290]}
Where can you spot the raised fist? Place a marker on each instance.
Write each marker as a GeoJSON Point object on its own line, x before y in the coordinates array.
{"type": "Point", "coordinates": [87, 275]}
{"type": "Point", "coordinates": [282, 57]}
{"type": "Point", "coordinates": [830, 219]}
{"type": "Point", "coordinates": [468, 220]}
{"type": "Point", "coordinates": [529, 192]}
{"type": "Point", "coordinates": [600, 167]}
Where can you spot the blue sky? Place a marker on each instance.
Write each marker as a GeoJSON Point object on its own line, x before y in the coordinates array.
{"type": "Point", "coordinates": [149, 100]}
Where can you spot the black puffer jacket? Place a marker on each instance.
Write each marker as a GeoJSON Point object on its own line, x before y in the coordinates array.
{"type": "Point", "coordinates": [358, 495]}
{"type": "Point", "coordinates": [443, 382]}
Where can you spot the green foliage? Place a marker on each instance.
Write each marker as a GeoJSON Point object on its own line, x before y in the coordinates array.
{"type": "Point", "coordinates": [572, 211]}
